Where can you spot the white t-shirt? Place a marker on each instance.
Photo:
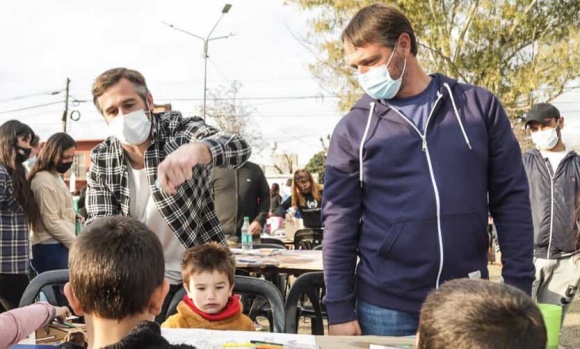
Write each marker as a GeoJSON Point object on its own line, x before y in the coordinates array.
{"type": "Point", "coordinates": [555, 157]}
{"type": "Point", "coordinates": [142, 207]}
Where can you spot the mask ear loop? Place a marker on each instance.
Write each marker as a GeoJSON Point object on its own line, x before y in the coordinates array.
{"type": "Point", "coordinates": [148, 111]}
{"type": "Point", "coordinates": [392, 55]}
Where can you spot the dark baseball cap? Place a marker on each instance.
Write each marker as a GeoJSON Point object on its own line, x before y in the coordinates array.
{"type": "Point", "coordinates": [542, 113]}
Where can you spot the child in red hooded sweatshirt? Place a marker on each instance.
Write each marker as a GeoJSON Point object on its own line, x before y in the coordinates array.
{"type": "Point", "coordinates": [208, 278]}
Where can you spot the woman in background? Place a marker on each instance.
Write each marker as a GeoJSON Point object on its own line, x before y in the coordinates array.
{"type": "Point", "coordinates": [17, 210]}
{"type": "Point", "coordinates": [54, 230]}
{"type": "Point", "coordinates": [275, 198]}
{"type": "Point", "coordinates": [306, 198]}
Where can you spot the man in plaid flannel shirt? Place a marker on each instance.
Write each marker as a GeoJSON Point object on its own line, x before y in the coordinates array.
{"type": "Point", "coordinates": [156, 168]}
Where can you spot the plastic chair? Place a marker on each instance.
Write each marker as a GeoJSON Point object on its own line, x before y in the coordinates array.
{"type": "Point", "coordinates": [306, 239]}
{"type": "Point", "coordinates": [273, 241]}
{"type": "Point", "coordinates": [48, 278]}
{"type": "Point", "coordinates": [312, 286]}
{"type": "Point", "coordinates": [246, 285]}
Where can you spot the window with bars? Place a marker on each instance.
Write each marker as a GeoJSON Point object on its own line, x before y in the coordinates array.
{"type": "Point", "coordinates": [79, 167]}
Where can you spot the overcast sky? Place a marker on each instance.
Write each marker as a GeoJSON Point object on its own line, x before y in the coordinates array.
{"type": "Point", "coordinates": [44, 42]}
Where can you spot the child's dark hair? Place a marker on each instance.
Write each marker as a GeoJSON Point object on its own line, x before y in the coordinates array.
{"type": "Point", "coordinates": [115, 265]}
{"type": "Point", "coordinates": [480, 314]}
{"type": "Point", "coordinates": [208, 257]}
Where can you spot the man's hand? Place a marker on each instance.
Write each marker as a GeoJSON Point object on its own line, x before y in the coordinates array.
{"type": "Point", "coordinates": [256, 228]}
{"type": "Point", "coordinates": [345, 329]}
{"type": "Point", "coordinates": [178, 166]}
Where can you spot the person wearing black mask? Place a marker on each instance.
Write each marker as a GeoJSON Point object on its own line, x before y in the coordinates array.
{"type": "Point", "coordinates": [54, 231]}
{"type": "Point", "coordinates": [17, 209]}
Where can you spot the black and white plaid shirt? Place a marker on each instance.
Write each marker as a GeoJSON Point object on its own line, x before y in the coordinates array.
{"type": "Point", "coordinates": [189, 212]}
{"type": "Point", "coordinates": [14, 231]}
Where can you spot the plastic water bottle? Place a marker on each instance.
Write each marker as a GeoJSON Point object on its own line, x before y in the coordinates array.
{"type": "Point", "coordinates": [78, 226]}
{"type": "Point", "coordinates": [246, 235]}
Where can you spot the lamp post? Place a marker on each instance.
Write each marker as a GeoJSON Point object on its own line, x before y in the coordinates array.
{"type": "Point", "coordinates": [206, 41]}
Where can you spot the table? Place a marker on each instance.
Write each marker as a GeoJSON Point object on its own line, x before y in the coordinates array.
{"type": "Point", "coordinates": [279, 261]}
{"type": "Point", "coordinates": [286, 240]}
{"type": "Point", "coordinates": [209, 339]}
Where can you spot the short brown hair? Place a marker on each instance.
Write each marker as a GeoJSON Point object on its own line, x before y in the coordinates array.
{"type": "Point", "coordinates": [379, 24]}
{"type": "Point", "coordinates": [115, 265]}
{"type": "Point", "coordinates": [112, 76]}
{"type": "Point", "coordinates": [35, 141]}
{"type": "Point", "coordinates": [208, 257]}
{"type": "Point", "coordinates": [480, 314]}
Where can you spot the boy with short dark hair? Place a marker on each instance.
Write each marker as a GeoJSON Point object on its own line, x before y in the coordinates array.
{"type": "Point", "coordinates": [208, 277]}
{"type": "Point", "coordinates": [480, 314]}
{"type": "Point", "coordinates": [117, 283]}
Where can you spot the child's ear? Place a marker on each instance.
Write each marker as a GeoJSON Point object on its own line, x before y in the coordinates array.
{"type": "Point", "coordinates": [72, 300]}
{"type": "Point", "coordinates": [157, 298]}
{"type": "Point", "coordinates": [186, 287]}
{"type": "Point", "coordinates": [417, 340]}
{"type": "Point", "coordinates": [232, 290]}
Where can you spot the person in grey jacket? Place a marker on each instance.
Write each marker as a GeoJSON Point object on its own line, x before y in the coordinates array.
{"type": "Point", "coordinates": [239, 193]}
{"type": "Point", "coordinates": [553, 172]}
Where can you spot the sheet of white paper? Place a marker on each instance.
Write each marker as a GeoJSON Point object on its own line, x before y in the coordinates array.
{"type": "Point", "coordinates": [209, 339]}
{"type": "Point", "coordinates": [31, 339]}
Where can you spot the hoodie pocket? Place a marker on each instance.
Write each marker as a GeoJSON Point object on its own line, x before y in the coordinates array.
{"type": "Point", "coordinates": [408, 259]}
{"type": "Point", "coordinates": [391, 237]}
{"type": "Point", "coordinates": [465, 242]}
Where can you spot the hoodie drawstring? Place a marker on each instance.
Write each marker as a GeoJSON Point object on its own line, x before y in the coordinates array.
{"type": "Point", "coordinates": [457, 115]}
{"type": "Point", "coordinates": [362, 143]}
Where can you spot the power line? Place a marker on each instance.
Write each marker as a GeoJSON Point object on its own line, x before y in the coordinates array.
{"type": "Point", "coordinates": [28, 108]}
{"type": "Point", "coordinates": [229, 98]}
{"type": "Point", "coordinates": [250, 98]}
{"type": "Point", "coordinates": [52, 93]}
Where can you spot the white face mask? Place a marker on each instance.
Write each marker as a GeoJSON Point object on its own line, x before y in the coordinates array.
{"type": "Point", "coordinates": [28, 163]}
{"type": "Point", "coordinates": [545, 139]}
{"type": "Point", "coordinates": [131, 129]}
{"type": "Point", "coordinates": [378, 83]}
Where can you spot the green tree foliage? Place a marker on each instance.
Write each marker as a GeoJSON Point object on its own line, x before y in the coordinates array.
{"type": "Point", "coordinates": [317, 164]}
{"type": "Point", "coordinates": [523, 51]}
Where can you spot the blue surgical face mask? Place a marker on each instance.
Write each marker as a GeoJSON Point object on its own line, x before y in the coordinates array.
{"type": "Point", "coordinates": [28, 163]}
{"type": "Point", "coordinates": [377, 81]}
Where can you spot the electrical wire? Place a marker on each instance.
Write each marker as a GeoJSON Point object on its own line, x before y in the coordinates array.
{"type": "Point", "coordinates": [28, 108]}
{"type": "Point", "coordinates": [51, 93]}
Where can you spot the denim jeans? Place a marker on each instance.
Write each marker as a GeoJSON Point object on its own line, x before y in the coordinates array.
{"type": "Point", "coordinates": [47, 257]}
{"type": "Point", "coordinates": [378, 321]}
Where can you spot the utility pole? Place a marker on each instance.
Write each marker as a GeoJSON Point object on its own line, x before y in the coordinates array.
{"type": "Point", "coordinates": [206, 41]}
{"type": "Point", "coordinates": [65, 113]}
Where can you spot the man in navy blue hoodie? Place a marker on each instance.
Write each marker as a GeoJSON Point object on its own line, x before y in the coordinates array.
{"type": "Point", "coordinates": [408, 174]}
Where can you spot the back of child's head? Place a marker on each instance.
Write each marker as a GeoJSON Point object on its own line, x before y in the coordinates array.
{"type": "Point", "coordinates": [208, 257]}
{"type": "Point", "coordinates": [480, 314]}
{"type": "Point", "coordinates": [115, 265]}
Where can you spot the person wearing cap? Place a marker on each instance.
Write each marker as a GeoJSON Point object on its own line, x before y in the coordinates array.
{"type": "Point", "coordinates": [553, 173]}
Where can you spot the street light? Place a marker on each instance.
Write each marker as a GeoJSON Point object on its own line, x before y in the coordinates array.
{"type": "Point", "coordinates": [206, 40]}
